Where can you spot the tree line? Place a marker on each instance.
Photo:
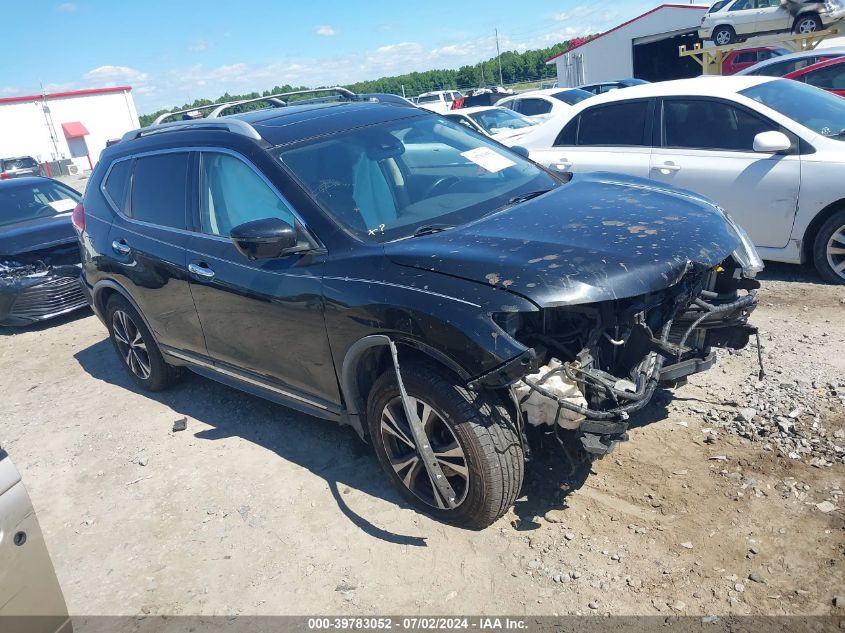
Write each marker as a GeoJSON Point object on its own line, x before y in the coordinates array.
{"type": "Point", "coordinates": [516, 68]}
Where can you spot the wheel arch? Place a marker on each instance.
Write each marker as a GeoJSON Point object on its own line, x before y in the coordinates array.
{"type": "Point", "coordinates": [812, 230]}
{"type": "Point", "coordinates": [369, 357]}
{"type": "Point", "coordinates": [804, 14]}
{"type": "Point", "coordinates": [101, 293]}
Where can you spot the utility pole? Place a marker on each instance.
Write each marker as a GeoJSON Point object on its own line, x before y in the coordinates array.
{"type": "Point", "coordinates": [499, 59]}
{"type": "Point", "coordinates": [481, 64]}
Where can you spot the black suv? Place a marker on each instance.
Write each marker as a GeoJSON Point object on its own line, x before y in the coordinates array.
{"type": "Point", "coordinates": [381, 266]}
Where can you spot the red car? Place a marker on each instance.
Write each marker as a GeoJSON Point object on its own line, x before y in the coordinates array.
{"type": "Point", "coordinates": [828, 75]}
{"type": "Point", "coordinates": [747, 57]}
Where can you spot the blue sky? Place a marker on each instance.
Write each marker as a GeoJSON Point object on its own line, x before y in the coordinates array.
{"type": "Point", "coordinates": [172, 52]}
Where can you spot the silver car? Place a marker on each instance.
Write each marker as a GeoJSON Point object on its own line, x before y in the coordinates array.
{"type": "Point", "coordinates": [31, 599]}
{"type": "Point", "coordinates": [18, 167]}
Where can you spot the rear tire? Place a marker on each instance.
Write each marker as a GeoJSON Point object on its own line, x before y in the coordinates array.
{"type": "Point", "coordinates": [808, 23]}
{"type": "Point", "coordinates": [724, 35]}
{"type": "Point", "coordinates": [136, 348]}
{"type": "Point", "coordinates": [474, 428]}
{"type": "Point", "coordinates": [829, 249]}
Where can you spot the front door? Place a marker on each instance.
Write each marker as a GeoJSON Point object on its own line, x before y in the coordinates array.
{"type": "Point", "coordinates": [708, 148]}
{"type": "Point", "coordinates": [742, 16]}
{"type": "Point", "coordinates": [263, 318]}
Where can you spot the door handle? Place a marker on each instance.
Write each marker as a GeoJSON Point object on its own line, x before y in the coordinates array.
{"type": "Point", "coordinates": [201, 270]}
{"type": "Point", "coordinates": [561, 164]}
{"type": "Point", "coordinates": [120, 247]}
{"type": "Point", "coordinates": [667, 167]}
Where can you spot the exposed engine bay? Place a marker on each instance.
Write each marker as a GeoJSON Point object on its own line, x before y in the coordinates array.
{"type": "Point", "coordinates": [596, 364]}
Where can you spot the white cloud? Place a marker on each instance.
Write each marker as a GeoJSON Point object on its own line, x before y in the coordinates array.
{"type": "Point", "coordinates": [67, 7]}
{"type": "Point", "coordinates": [200, 45]}
{"type": "Point", "coordinates": [10, 91]}
{"type": "Point", "coordinates": [325, 30]}
{"type": "Point", "coordinates": [112, 75]}
{"type": "Point", "coordinates": [580, 11]}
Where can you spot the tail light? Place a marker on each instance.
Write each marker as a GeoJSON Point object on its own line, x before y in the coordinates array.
{"type": "Point", "coordinates": [78, 217]}
{"type": "Point", "coordinates": [4, 175]}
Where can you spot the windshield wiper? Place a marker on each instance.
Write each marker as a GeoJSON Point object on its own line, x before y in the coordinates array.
{"type": "Point", "coordinates": [838, 134]}
{"type": "Point", "coordinates": [428, 229]}
{"type": "Point", "coordinates": [523, 197]}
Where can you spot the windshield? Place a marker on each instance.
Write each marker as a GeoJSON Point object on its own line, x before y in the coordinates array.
{"type": "Point", "coordinates": [819, 110]}
{"type": "Point", "coordinates": [500, 120]}
{"type": "Point", "coordinates": [25, 202]}
{"type": "Point", "coordinates": [383, 182]}
{"type": "Point", "coordinates": [573, 96]}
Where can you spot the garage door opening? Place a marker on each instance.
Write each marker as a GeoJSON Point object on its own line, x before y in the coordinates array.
{"type": "Point", "coordinates": [659, 60]}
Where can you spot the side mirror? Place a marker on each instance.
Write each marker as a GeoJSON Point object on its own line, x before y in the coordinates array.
{"type": "Point", "coordinates": [771, 142]}
{"type": "Point", "coordinates": [265, 239]}
{"type": "Point", "coordinates": [519, 149]}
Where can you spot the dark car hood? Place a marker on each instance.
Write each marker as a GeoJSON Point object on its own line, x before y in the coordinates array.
{"type": "Point", "coordinates": [36, 234]}
{"type": "Point", "coordinates": [599, 237]}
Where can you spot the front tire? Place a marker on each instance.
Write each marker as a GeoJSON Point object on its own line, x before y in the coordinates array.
{"type": "Point", "coordinates": [807, 24]}
{"type": "Point", "coordinates": [136, 347]}
{"type": "Point", "coordinates": [829, 249]}
{"type": "Point", "coordinates": [474, 439]}
{"type": "Point", "coordinates": [723, 35]}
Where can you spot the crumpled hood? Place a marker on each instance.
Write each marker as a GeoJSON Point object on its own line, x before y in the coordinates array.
{"type": "Point", "coordinates": [599, 237]}
{"type": "Point", "coordinates": [36, 234]}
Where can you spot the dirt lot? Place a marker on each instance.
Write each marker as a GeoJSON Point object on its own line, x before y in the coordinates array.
{"type": "Point", "coordinates": [258, 510]}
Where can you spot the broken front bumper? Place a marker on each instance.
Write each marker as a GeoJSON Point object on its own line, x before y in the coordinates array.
{"type": "Point", "coordinates": [625, 351]}
{"type": "Point", "coordinates": [31, 298]}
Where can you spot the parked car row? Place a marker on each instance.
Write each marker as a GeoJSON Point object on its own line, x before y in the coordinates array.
{"type": "Point", "coordinates": [769, 151]}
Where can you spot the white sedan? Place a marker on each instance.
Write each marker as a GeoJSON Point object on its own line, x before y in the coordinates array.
{"type": "Point", "coordinates": [498, 123]}
{"type": "Point", "coordinates": [543, 104]}
{"type": "Point", "coordinates": [770, 151]}
{"type": "Point", "coordinates": [729, 21]}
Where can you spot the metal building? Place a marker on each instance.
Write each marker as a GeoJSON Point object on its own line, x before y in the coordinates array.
{"type": "Point", "coordinates": [67, 128]}
{"type": "Point", "coordinates": [645, 47]}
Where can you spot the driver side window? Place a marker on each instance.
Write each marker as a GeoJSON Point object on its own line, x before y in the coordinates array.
{"type": "Point", "coordinates": [232, 193]}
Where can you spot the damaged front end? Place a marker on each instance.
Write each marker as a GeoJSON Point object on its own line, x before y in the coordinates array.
{"type": "Point", "coordinates": [40, 285]}
{"type": "Point", "coordinates": [589, 367]}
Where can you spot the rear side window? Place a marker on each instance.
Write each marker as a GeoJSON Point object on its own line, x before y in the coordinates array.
{"type": "Point", "coordinates": [117, 184]}
{"type": "Point", "coordinates": [614, 124]}
{"type": "Point", "coordinates": [713, 125]}
{"type": "Point", "coordinates": [830, 78]}
{"type": "Point", "coordinates": [160, 189]}
{"type": "Point", "coordinates": [568, 134]}
{"type": "Point", "coordinates": [532, 107]}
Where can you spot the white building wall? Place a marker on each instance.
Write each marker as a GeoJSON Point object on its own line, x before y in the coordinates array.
{"type": "Point", "coordinates": [611, 56]}
{"type": "Point", "coordinates": [25, 127]}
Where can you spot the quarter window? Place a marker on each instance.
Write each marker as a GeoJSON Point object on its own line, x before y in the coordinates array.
{"type": "Point", "coordinates": [160, 189]}
{"type": "Point", "coordinates": [232, 193]}
{"type": "Point", "coordinates": [614, 124]}
{"type": "Point", "coordinates": [714, 125]}
{"type": "Point", "coordinates": [117, 184]}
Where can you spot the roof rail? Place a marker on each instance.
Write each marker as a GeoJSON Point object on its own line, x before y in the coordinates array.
{"type": "Point", "coordinates": [232, 125]}
{"type": "Point", "coordinates": [277, 101]}
{"type": "Point", "coordinates": [166, 115]}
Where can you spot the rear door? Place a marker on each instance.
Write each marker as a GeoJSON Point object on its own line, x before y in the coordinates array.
{"type": "Point", "coordinates": [610, 137]}
{"type": "Point", "coordinates": [147, 243]}
{"type": "Point", "coordinates": [707, 147]}
{"type": "Point", "coordinates": [262, 319]}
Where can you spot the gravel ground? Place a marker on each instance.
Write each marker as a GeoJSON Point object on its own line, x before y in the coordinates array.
{"type": "Point", "coordinates": [727, 499]}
